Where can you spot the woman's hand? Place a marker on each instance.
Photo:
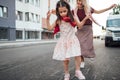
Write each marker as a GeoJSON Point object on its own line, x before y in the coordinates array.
{"type": "Point", "coordinates": [113, 6]}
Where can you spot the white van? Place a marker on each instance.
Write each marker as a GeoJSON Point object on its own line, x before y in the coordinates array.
{"type": "Point", "coordinates": [112, 35]}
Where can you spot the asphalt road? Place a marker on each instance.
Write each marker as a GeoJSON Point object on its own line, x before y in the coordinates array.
{"type": "Point", "coordinates": [35, 63]}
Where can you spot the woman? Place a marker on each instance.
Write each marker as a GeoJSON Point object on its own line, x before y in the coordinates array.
{"type": "Point", "coordinates": [85, 34]}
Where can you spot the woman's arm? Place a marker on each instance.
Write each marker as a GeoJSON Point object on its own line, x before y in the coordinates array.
{"type": "Point", "coordinates": [50, 27]}
{"type": "Point", "coordinates": [81, 23]}
{"type": "Point", "coordinates": [103, 10]}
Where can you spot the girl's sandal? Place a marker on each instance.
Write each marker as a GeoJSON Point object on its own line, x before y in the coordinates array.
{"type": "Point", "coordinates": [67, 77]}
{"type": "Point", "coordinates": [79, 75]}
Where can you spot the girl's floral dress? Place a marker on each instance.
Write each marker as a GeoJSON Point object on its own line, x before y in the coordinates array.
{"type": "Point", "coordinates": [68, 44]}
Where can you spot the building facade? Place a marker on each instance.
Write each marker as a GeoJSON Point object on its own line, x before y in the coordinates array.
{"type": "Point", "coordinates": [7, 20]}
{"type": "Point", "coordinates": [26, 19]}
{"type": "Point", "coordinates": [20, 20]}
{"type": "Point", "coordinates": [28, 24]}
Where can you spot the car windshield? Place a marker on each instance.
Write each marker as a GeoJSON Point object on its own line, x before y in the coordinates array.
{"type": "Point", "coordinates": [113, 23]}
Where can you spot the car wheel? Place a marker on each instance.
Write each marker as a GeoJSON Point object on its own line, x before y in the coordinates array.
{"type": "Point", "coordinates": [106, 43]}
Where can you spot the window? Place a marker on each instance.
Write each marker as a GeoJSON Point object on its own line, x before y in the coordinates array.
{"type": "Point", "coordinates": [31, 2]}
{"type": "Point", "coordinates": [3, 11]}
{"type": "Point", "coordinates": [32, 19]}
{"type": "Point", "coordinates": [20, 0]}
{"type": "Point", "coordinates": [31, 34]}
{"type": "Point", "coordinates": [37, 18]}
{"type": "Point", "coordinates": [26, 16]}
{"type": "Point", "coordinates": [19, 15]}
{"type": "Point", "coordinates": [18, 34]}
{"type": "Point", "coordinates": [3, 33]}
{"type": "Point", "coordinates": [26, 1]}
{"type": "Point", "coordinates": [113, 23]}
{"type": "Point", "coordinates": [37, 3]}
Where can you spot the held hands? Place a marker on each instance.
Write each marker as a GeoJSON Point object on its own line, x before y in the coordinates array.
{"type": "Point", "coordinates": [88, 16]}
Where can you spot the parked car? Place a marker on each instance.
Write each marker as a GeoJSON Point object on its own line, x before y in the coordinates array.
{"type": "Point", "coordinates": [112, 35]}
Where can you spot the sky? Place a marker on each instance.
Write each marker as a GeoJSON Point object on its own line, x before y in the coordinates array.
{"type": "Point", "coordinates": [101, 18]}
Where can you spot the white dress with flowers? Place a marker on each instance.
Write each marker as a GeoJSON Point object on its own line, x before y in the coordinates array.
{"type": "Point", "coordinates": [68, 44]}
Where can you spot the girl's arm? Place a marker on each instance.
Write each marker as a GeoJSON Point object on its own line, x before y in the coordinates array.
{"type": "Point", "coordinates": [103, 10]}
{"type": "Point", "coordinates": [81, 23]}
{"type": "Point", "coordinates": [50, 27]}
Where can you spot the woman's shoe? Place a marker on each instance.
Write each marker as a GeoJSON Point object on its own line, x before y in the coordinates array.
{"type": "Point", "coordinates": [79, 75]}
{"type": "Point", "coordinates": [92, 59]}
{"type": "Point", "coordinates": [82, 65]}
{"type": "Point", "coordinates": [67, 77]}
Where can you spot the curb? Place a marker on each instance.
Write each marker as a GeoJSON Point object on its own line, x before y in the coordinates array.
{"type": "Point", "coordinates": [25, 43]}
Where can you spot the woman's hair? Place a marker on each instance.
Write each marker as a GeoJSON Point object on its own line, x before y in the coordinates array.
{"type": "Point", "coordinates": [88, 10]}
{"type": "Point", "coordinates": [63, 3]}
{"type": "Point", "coordinates": [86, 6]}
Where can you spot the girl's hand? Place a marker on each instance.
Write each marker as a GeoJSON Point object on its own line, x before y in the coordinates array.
{"type": "Point", "coordinates": [53, 11]}
{"type": "Point", "coordinates": [88, 16]}
{"type": "Point", "coordinates": [48, 14]}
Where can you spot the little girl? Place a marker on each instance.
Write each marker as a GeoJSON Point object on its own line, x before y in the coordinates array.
{"type": "Point", "coordinates": [68, 45]}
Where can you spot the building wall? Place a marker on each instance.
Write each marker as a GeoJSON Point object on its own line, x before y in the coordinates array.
{"type": "Point", "coordinates": [8, 23]}
{"type": "Point", "coordinates": [21, 29]}
{"type": "Point", "coordinates": [31, 28]}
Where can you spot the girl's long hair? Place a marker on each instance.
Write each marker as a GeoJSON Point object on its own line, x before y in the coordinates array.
{"type": "Point", "coordinates": [63, 3]}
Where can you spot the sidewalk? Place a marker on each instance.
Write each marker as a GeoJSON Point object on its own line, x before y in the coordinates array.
{"type": "Point", "coordinates": [11, 44]}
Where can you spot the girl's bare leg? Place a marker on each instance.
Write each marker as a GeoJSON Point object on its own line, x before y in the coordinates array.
{"type": "Point", "coordinates": [77, 62]}
{"type": "Point", "coordinates": [66, 70]}
{"type": "Point", "coordinates": [66, 66]}
{"type": "Point", "coordinates": [78, 73]}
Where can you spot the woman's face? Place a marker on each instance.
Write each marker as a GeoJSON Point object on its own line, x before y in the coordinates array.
{"type": "Point", "coordinates": [63, 11]}
{"type": "Point", "coordinates": [79, 3]}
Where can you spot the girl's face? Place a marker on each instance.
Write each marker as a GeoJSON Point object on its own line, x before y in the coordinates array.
{"type": "Point", "coordinates": [79, 3]}
{"type": "Point", "coordinates": [63, 11]}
